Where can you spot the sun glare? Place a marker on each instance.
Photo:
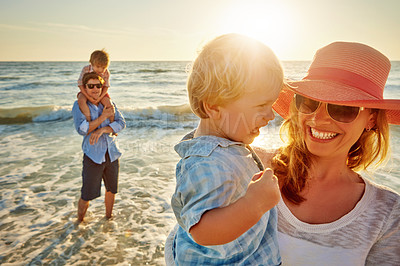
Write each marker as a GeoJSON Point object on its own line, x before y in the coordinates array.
{"type": "Point", "coordinates": [266, 21]}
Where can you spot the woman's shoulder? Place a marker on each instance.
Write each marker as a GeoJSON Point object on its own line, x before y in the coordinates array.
{"type": "Point", "coordinates": [382, 196]}
{"type": "Point", "coordinates": [265, 155]}
{"type": "Point", "coordinates": [381, 191]}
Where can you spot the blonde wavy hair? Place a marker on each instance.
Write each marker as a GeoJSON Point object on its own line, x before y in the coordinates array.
{"type": "Point", "coordinates": [291, 164]}
{"type": "Point", "coordinates": [225, 66]}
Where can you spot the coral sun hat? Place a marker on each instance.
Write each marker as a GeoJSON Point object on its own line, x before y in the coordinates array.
{"type": "Point", "coordinates": [344, 73]}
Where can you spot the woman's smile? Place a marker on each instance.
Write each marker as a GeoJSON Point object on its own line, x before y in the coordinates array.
{"type": "Point", "coordinates": [322, 135]}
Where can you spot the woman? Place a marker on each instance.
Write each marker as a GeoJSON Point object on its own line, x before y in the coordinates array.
{"type": "Point", "coordinates": [337, 123]}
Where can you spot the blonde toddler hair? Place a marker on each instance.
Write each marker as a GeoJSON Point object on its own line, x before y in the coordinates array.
{"type": "Point", "coordinates": [225, 66]}
{"type": "Point", "coordinates": [100, 58]}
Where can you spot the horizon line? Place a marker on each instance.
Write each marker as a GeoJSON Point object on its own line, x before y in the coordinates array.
{"type": "Point", "coordinates": [150, 60]}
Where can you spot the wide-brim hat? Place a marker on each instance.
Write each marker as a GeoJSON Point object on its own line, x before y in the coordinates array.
{"type": "Point", "coordinates": [344, 73]}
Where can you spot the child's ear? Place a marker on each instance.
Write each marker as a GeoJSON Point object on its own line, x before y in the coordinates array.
{"type": "Point", "coordinates": [213, 111]}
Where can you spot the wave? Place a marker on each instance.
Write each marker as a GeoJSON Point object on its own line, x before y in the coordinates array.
{"type": "Point", "coordinates": [35, 86]}
{"type": "Point", "coordinates": [159, 70]}
{"type": "Point", "coordinates": [173, 116]}
{"type": "Point", "coordinates": [23, 115]}
{"type": "Point", "coordinates": [165, 117]}
{"type": "Point", "coordinates": [5, 78]}
{"type": "Point", "coordinates": [159, 82]}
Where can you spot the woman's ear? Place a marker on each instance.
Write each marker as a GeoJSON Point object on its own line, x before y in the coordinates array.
{"type": "Point", "coordinates": [213, 111]}
{"type": "Point", "coordinates": [371, 121]}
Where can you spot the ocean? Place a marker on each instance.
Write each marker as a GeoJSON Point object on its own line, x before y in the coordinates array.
{"type": "Point", "coordinates": [41, 162]}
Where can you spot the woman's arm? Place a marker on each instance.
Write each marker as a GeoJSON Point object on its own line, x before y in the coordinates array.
{"type": "Point", "coordinates": [386, 250]}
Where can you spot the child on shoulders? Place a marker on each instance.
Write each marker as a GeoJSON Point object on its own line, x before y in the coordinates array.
{"type": "Point", "coordinates": [99, 62]}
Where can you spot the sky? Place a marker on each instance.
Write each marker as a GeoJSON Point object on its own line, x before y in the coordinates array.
{"type": "Point", "coordinates": [136, 30]}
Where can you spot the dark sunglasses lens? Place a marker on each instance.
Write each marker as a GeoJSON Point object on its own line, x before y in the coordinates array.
{"type": "Point", "coordinates": [344, 114]}
{"type": "Point", "coordinates": [91, 86]}
{"type": "Point", "coordinates": [305, 105]}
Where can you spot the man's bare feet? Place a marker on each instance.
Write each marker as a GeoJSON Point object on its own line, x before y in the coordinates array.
{"type": "Point", "coordinates": [82, 208]}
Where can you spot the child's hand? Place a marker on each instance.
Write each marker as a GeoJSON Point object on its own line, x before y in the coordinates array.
{"type": "Point", "coordinates": [108, 111]}
{"type": "Point", "coordinates": [263, 191]}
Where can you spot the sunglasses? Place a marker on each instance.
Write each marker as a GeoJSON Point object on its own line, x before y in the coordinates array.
{"type": "Point", "coordinates": [91, 86]}
{"type": "Point", "coordinates": [339, 113]}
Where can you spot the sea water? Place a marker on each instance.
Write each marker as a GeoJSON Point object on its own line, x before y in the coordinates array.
{"type": "Point", "coordinates": [41, 162]}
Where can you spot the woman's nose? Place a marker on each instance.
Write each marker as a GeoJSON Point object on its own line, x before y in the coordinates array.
{"type": "Point", "coordinates": [321, 113]}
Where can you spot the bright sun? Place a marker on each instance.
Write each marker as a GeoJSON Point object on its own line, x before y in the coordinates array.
{"type": "Point", "coordinates": [266, 21]}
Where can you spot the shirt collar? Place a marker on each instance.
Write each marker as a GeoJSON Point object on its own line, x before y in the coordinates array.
{"type": "Point", "coordinates": [201, 146]}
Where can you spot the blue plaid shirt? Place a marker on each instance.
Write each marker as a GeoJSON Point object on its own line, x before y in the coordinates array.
{"type": "Point", "coordinates": [214, 172]}
{"type": "Point", "coordinates": [106, 142]}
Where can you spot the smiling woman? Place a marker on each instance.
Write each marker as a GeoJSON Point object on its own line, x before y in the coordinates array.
{"type": "Point", "coordinates": [265, 21]}
{"type": "Point", "coordinates": [336, 125]}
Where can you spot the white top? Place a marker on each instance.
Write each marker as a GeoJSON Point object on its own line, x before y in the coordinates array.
{"type": "Point", "coordinates": [367, 235]}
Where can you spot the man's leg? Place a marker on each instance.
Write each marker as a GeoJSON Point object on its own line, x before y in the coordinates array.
{"type": "Point", "coordinates": [91, 184]}
{"type": "Point", "coordinates": [82, 208]}
{"type": "Point", "coordinates": [109, 202]}
{"type": "Point", "coordinates": [110, 177]}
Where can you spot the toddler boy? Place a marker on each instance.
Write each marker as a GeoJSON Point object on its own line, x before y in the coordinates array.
{"type": "Point", "coordinates": [99, 62]}
{"type": "Point", "coordinates": [223, 204]}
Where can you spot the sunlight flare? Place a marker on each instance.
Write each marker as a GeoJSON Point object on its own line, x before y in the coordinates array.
{"type": "Point", "coordinates": [266, 21]}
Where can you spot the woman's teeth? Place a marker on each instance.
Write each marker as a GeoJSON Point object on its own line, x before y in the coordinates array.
{"type": "Point", "coordinates": [322, 135]}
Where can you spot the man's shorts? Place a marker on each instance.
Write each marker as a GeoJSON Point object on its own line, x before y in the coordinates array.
{"type": "Point", "coordinates": [93, 173]}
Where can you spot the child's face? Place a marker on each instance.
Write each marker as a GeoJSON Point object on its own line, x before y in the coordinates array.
{"type": "Point", "coordinates": [242, 119]}
{"type": "Point", "coordinates": [99, 69]}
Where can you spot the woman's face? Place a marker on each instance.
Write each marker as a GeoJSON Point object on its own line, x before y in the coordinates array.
{"type": "Point", "coordinates": [327, 138]}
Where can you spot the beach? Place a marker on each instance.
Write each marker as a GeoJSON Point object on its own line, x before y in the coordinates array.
{"type": "Point", "coordinates": [40, 170]}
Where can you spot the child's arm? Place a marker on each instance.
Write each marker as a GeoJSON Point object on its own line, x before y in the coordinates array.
{"type": "Point", "coordinates": [82, 102]}
{"type": "Point", "coordinates": [103, 93]}
{"type": "Point", "coordinates": [106, 101]}
{"type": "Point", "coordinates": [223, 225]}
